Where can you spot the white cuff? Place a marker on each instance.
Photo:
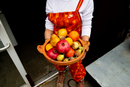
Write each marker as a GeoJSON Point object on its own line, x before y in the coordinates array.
{"type": "Point", "coordinates": [86, 31]}
{"type": "Point", "coordinates": [48, 24]}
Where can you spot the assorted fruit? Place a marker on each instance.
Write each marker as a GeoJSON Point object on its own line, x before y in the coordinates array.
{"type": "Point", "coordinates": [63, 47]}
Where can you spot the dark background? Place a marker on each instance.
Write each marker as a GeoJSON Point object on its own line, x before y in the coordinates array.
{"type": "Point", "coordinates": [26, 19]}
{"type": "Point", "coordinates": [109, 25]}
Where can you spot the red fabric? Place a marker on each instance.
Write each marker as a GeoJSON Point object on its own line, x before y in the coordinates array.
{"type": "Point", "coordinates": [60, 68]}
{"type": "Point", "coordinates": [70, 21]}
{"type": "Point", "coordinates": [77, 70]}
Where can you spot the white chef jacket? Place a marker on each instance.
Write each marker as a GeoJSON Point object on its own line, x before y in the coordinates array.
{"type": "Point", "coordinates": [86, 12]}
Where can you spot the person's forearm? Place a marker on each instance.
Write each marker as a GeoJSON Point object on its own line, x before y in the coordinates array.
{"type": "Point", "coordinates": [85, 38]}
{"type": "Point", "coordinates": [48, 34]}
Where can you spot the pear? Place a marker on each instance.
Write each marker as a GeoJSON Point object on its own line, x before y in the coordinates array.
{"type": "Point", "coordinates": [78, 52]}
{"type": "Point", "coordinates": [81, 48]}
{"type": "Point", "coordinates": [75, 45]}
{"type": "Point", "coordinates": [54, 39]}
{"type": "Point", "coordinates": [71, 58]}
{"type": "Point", "coordinates": [65, 60]}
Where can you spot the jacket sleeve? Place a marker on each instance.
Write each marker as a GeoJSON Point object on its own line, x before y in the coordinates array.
{"type": "Point", "coordinates": [48, 24]}
{"type": "Point", "coordinates": [87, 15]}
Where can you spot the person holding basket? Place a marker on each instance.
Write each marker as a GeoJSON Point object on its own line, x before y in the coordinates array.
{"type": "Point", "coordinates": [72, 15]}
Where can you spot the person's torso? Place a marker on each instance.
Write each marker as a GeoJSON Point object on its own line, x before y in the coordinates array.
{"type": "Point", "coordinates": [70, 20]}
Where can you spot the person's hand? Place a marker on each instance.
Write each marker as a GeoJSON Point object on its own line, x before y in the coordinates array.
{"type": "Point", "coordinates": [85, 53]}
{"type": "Point", "coordinates": [85, 38]}
{"type": "Point", "coordinates": [48, 34]}
{"type": "Point", "coordinates": [46, 39]}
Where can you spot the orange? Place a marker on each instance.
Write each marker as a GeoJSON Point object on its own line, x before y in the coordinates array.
{"type": "Point", "coordinates": [69, 40]}
{"type": "Point", "coordinates": [70, 53]}
{"type": "Point", "coordinates": [74, 35]}
{"type": "Point", "coordinates": [62, 32]}
{"type": "Point", "coordinates": [48, 46]}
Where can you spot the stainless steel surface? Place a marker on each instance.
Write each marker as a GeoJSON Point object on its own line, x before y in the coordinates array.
{"type": "Point", "coordinates": [6, 47]}
{"type": "Point", "coordinates": [47, 78]}
{"type": "Point", "coordinates": [7, 29]}
{"type": "Point", "coordinates": [12, 53]}
{"type": "Point", "coordinates": [113, 69]}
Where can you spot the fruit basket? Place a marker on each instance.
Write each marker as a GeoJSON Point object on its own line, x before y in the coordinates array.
{"type": "Point", "coordinates": [42, 50]}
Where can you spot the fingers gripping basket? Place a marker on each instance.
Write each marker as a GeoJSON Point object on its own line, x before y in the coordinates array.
{"type": "Point", "coordinates": [42, 50]}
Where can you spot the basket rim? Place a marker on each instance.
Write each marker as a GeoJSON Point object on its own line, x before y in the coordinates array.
{"type": "Point", "coordinates": [59, 62]}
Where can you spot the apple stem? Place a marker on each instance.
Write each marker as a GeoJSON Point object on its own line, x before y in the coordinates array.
{"type": "Point", "coordinates": [63, 44]}
{"type": "Point", "coordinates": [55, 51]}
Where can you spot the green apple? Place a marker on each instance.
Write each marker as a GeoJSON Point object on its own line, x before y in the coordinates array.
{"type": "Point", "coordinates": [60, 57]}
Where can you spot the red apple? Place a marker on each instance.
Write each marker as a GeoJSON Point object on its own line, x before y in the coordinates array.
{"type": "Point", "coordinates": [52, 53]}
{"type": "Point", "coordinates": [62, 46]}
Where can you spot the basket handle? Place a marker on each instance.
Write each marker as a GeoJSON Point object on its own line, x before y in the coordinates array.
{"type": "Point", "coordinates": [40, 48]}
{"type": "Point", "coordinates": [86, 44]}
